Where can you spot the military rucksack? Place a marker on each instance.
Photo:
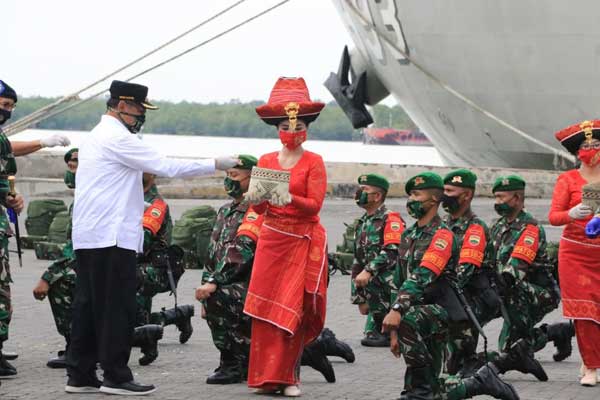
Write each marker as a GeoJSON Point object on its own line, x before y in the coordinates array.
{"type": "Point", "coordinates": [192, 233]}
{"type": "Point", "coordinates": [40, 214]}
{"type": "Point", "coordinates": [58, 231]}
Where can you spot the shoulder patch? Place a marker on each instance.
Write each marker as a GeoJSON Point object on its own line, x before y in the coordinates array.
{"type": "Point", "coordinates": [154, 216]}
{"type": "Point", "coordinates": [527, 245]}
{"type": "Point", "coordinates": [439, 251]}
{"type": "Point", "coordinates": [394, 226]}
{"type": "Point", "coordinates": [250, 225]}
{"type": "Point", "coordinates": [473, 246]}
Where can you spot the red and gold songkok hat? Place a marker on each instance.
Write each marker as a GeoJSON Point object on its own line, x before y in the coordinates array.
{"type": "Point", "coordinates": [289, 100]}
{"type": "Point", "coordinates": [572, 137]}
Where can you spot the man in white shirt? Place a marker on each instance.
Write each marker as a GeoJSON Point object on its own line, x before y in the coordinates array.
{"type": "Point", "coordinates": [107, 234]}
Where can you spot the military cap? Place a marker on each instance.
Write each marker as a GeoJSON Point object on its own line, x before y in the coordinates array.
{"type": "Point", "coordinates": [425, 180]}
{"type": "Point", "coordinates": [7, 92]}
{"type": "Point", "coordinates": [246, 161]}
{"type": "Point", "coordinates": [508, 184]}
{"type": "Point", "coordinates": [69, 154]}
{"type": "Point", "coordinates": [374, 180]}
{"type": "Point", "coordinates": [131, 92]}
{"type": "Point", "coordinates": [461, 178]}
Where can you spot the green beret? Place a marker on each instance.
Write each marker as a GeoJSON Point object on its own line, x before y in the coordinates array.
{"type": "Point", "coordinates": [70, 153]}
{"type": "Point", "coordinates": [508, 184]}
{"type": "Point", "coordinates": [425, 180]}
{"type": "Point", "coordinates": [374, 180]}
{"type": "Point", "coordinates": [246, 161]}
{"type": "Point", "coordinates": [461, 178]}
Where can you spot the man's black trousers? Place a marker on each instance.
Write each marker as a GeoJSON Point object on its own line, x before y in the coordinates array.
{"type": "Point", "coordinates": [103, 314]}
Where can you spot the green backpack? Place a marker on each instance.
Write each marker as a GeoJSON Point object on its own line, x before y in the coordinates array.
{"type": "Point", "coordinates": [57, 233]}
{"type": "Point", "coordinates": [192, 233]}
{"type": "Point", "coordinates": [40, 214]}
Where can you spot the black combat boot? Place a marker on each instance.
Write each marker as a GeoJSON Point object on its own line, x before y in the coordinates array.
{"type": "Point", "coordinates": [182, 318]}
{"type": "Point", "coordinates": [60, 361]}
{"type": "Point", "coordinates": [419, 387]}
{"type": "Point", "coordinates": [10, 355]}
{"type": "Point", "coordinates": [376, 338]}
{"type": "Point", "coordinates": [331, 346]}
{"type": "Point", "coordinates": [6, 369]}
{"type": "Point", "coordinates": [227, 373]}
{"type": "Point", "coordinates": [146, 338]}
{"type": "Point", "coordinates": [520, 358]}
{"type": "Point", "coordinates": [314, 357]}
{"type": "Point", "coordinates": [561, 334]}
{"type": "Point", "coordinates": [487, 381]}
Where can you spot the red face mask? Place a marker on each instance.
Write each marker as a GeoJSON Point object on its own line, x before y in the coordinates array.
{"type": "Point", "coordinates": [292, 140]}
{"type": "Point", "coordinates": [589, 157]}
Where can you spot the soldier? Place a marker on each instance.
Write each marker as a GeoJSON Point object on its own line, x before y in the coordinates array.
{"type": "Point", "coordinates": [426, 301]}
{"type": "Point", "coordinates": [8, 151]}
{"type": "Point", "coordinates": [530, 290]}
{"type": "Point", "coordinates": [476, 277]}
{"type": "Point", "coordinates": [58, 281]}
{"type": "Point", "coordinates": [376, 242]}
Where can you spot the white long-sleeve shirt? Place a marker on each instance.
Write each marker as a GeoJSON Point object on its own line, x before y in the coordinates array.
{"type": "Point", "coordinates": [109, 197]}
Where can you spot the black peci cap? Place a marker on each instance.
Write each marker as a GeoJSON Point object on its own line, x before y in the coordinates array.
{"type": "Point", "coordinates": [131, 92]}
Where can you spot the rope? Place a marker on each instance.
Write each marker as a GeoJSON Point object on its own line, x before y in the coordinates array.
{"type": "Point", "coordinates": [456, 93]}
{"type": "Point", "coordinates": [33, 116]}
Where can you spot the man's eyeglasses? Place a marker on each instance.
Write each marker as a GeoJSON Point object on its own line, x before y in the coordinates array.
{"type": "Point", "coordinates": [8, 106]}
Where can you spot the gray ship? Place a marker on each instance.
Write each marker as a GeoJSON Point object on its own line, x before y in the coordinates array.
{"type": "Point", "coordinates": [534, 64]}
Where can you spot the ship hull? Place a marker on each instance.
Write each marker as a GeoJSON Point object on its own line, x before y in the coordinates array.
{"type": "Point", "coordinates": [535, 65]}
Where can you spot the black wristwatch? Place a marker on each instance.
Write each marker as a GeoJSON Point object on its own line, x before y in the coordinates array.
{"type": "Point", "coordinates": [396, 307]}
{"type": "Point", "coordinates": [211, 280]}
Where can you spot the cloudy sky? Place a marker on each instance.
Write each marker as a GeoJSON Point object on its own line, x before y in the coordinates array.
{"type": "Point", "coordinates": [51, 48]}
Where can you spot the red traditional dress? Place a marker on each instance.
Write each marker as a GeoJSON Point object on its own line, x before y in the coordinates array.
{"type": "Point", "coordinates": [287, 292]}
{"type": "Point", "coordinates": [578, 258]}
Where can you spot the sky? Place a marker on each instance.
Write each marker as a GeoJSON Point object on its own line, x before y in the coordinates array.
{"type": "Point", "coordinates": [52, 48]}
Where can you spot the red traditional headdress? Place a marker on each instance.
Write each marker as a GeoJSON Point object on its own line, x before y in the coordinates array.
{"type": "Point", "coordinates": [572, 137]}
{"type": "Point", "coordinates": [289, 100]}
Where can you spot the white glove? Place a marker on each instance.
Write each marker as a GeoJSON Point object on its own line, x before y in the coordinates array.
{"type": "Point", "coordinates": [280, 198]}
{"type": "Point", "coordinates": [55, 140]}
{"type": "Point", "coordinates": [226, 162]}
{"type": "Point", "coordinates": [580, 211]}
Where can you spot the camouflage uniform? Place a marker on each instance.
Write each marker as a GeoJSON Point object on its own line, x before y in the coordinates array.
{"type": "Point", "coordinates": [7, 167]}
{"type": "Point", "coordinates": [530, 291]}
{"type": "Point", "coordinates": [476, 277]}
{"type": "Point", "coordinates": [229, 264]}
{"type": "Point", "coordinates": [153, 279]}
{"type": "Point", "coordinates": [427, 256]}
{"type": "Point", "coordinates": [376, 251]}
{"type": "Point", "coordinates": [61, 277]}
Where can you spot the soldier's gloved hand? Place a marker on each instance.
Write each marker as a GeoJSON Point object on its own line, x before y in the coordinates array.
{"type": "Point", "coordinates": [226, 162]}
{"type": "Point", "coordinates": [592, 228]}
{"type": "Point", "coordinates": [41, 290]}
{"type": "Point", "coordinates": [580, 211]}
{"type": "Point", "coordinates": [55, 140]}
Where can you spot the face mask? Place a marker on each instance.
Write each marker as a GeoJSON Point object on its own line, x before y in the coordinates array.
{"type": "Point", "coordinates": [137, 125]}
{"type": "Point", "coordinates": [503, 209]}
{"type": "Point", "coordinates": [4, 116]}
{"type": "Point", "coordinates": [70, 179]}
{"type": "Point", "coordinates": [361, 197]}
{"type": "Point", "coordinates": [292, 140]}
{"type": "Point", "coordinates": [232, 187]}
{"type": "Point", "coordinates": [589, 157]}
{"type": "Point", "coordinates": [415, 208]}
{"type": "Point", "coordinates": [450, 203]}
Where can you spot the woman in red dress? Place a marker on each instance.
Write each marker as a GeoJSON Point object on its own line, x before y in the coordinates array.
{"type": "Point", "coordinates": [579, 256]}
{"type": "Point", "coordinates": [287, 293]}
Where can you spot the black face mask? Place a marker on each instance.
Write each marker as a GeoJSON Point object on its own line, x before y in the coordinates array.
{"type": "Point", "coordinates": [450, 203]}
{"type": "Point", "coordinates": [137, 125]}
{"type": "Point", "coordinates": [4, 116]}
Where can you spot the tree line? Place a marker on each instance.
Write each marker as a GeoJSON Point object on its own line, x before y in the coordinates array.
{"type": "Point", "coordinates": [232, 119]}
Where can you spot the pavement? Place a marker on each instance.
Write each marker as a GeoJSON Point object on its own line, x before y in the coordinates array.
{"type": "Point", "coordinates": [181, 370]}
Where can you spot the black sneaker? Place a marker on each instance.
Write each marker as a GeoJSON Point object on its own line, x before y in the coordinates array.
{"type": "Point", "coordinates": [74, 386]}
{"type": "Point", "coordinates": [375, 339]}
{"type": "Point", "coordinates": [130, 388]}
{"type": "Point", "coordinates": [9, 355]}
{"type": "Point", "coordinates": [6, 369]}
{"type": "Point", "coordinates": [58, 362]}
